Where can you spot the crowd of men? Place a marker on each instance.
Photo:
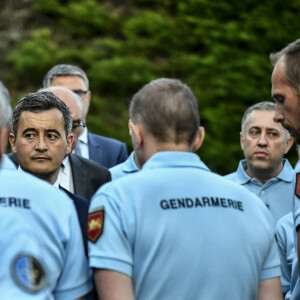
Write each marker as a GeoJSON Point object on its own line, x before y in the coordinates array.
{"type": "Point", "coordinates": [83, 220]}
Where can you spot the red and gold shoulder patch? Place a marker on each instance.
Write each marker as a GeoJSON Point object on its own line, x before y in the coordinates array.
{"type": "Point", "coordinates": [297, 185]}
{"type": "Point", "coordinates": [95, 224]}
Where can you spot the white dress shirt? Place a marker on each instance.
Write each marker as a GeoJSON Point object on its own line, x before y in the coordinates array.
{"type": "Point", "coordinates": [82, 147]}
{"type": "Point", "coordinates": [65, 177]}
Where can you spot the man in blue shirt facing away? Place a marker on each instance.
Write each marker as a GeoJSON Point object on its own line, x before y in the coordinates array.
{"type": "Point", "coordinates": [175, 230]}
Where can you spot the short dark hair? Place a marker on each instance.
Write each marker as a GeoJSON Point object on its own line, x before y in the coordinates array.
{"type": "Point", "coordinates": [40, 102]}
{"type": "Point", "coordinates": [64, 70]}
{"type": "Point", "coordinates": [290, 55]}
{"type": "Point", "coordinates": [168, 109]}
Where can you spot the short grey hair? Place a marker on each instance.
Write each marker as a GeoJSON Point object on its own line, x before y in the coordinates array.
{"type": "Point", "coordinates": [261, 106]}
{"type": "Point", "coordinates": [64, 70]}
{"type": "Point", "coordinates": [5, 107]}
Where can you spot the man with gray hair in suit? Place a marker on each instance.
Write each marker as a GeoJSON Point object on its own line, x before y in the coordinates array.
{"type": "Point", "coordinates": [105, 151]}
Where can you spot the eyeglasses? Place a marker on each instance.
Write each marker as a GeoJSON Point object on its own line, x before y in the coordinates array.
{"type": "Point", "coordinates": [80, 93]}
{"type": "Point", "coordinates": [75, 125]}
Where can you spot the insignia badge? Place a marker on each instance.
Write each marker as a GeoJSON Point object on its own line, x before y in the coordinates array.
{"type": "Point", "coordinates": [28, 273]}
{"type": "Point", "coordinates": [297, 186]}
{"type": "Point", "coordinates": [95, 224]}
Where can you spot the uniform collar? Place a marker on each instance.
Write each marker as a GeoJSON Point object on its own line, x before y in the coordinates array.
{"type": "Point", "coordinates": [286, 173]}
{"type": "Point", "coordinates": [129, 165]}
{"type": "Point", "coordinates": [174, 159]}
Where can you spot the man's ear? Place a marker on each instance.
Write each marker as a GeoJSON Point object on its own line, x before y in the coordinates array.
{"type": "Point", "coordinates": [136, 133]}
{"type": "Point", "coordinates": [198, 139]}
{"type": "Point", "coordinates": [289, 144]}
{"type": "Point", "coordinates": [12, 141]}
{"type": "Point", "coordinates": [70, 139]}
{"type": "Point", "coordinates": [242, 140]}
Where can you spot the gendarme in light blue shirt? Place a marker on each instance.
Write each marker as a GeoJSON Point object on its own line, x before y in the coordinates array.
{"type": "Point", "coordinates": [125, 168]}
{"type": "Point", "coordinates": [51, 216]}
{"type": "Point", "coordinates": [182, 232]}
{"type": "Point", "coordinates": [286, 246]}
{"type": "Point", "coordinates": [7, 164]}
{"type": "Point", "coordinates": [277, 193]}
{"type": "Point", "coordinates": [295, 280]}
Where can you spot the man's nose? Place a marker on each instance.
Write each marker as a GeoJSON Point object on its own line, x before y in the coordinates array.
{"type": "Point", "coordinates": [279, 115]}
{"type": "Point", "coordinates": [262, 140]}
{"type": "Point", "coordinates": [41, 144]}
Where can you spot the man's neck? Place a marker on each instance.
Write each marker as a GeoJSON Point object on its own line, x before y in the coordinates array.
{"type": "Point", "coordinates": [264, 175]}
{"type": "Point", "coordinates": [49, 177]}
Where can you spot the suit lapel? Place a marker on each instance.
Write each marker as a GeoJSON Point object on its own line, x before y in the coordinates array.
{"type": "Point", "coordinates": [95, 152]}
{"type": "Point", "coordinates": [79, 175]}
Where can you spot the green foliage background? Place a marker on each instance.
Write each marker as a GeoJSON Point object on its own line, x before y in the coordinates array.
{"type": "Point", "coordinates": [219, 48]}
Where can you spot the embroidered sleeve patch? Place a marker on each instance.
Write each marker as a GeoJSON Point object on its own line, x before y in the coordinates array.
{"type": "Point", "coordinates": [95, 224]}
{"type": "Point", "coordinates": [297, 186]}
{"type": "Point", "coordinates": [28, 273]}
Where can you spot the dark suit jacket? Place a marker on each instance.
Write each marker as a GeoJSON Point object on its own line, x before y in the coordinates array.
{"type": "Point", "coordinates": [106, 151]}
{"type": "Point", "coordinates": [82, 209]}
{"type": "Point", "coordinates": [88, 176]}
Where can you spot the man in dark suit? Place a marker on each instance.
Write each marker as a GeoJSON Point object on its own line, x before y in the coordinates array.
{"type": "Point", "coordinates": [106, 151]}
{"type": "Point", "coordinates": [41, 137]}
{"type": "Point", "coordinates": [88, 176]}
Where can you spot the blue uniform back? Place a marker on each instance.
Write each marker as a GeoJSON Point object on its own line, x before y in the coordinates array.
{"type": "Point", "coordinates": [182, 232]}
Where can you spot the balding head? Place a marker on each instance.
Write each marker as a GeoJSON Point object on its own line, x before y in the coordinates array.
{"type": "Point", "coordinates": [75, 105]}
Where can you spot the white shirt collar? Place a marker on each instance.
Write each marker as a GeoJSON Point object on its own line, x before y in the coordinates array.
{"type": "Point", "coordinates": [84, 136]}
{"type": "Point", "coordinates": [65, 178]}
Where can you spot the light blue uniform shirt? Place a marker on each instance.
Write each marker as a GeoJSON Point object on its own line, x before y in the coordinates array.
{"type": "Point", "coordinates": [127, 167]}
{"type": "Point", "coordinates": [182, 232]}
{"type": "Point", "coordinates": [51, 216]}
{"type": "Point", "coordinates": [277, 193]}
{"type": "Point", "coordinates": [7, 163]}
{"type": "Point", "coordinates": [286, 246]}
{"type": "Point", "coordinates": [295, 283]}
{"type": "Point", "coordinates": [22, 274]}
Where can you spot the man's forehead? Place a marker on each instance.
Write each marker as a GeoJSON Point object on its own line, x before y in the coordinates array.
{"type": "Point", "coordinates": [70, 81]}
{"type": "Point", "coordinates": [263, 119]}
{"type": "Point", "coordinates": [53, 118]}
{"type": "Point", "coordinates": [277, 75]}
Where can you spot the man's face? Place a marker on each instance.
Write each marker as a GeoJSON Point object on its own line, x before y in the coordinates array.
{"type": "Point", "coordinates": [264, 142]}
{"type": "Point", "coordinates": [77, 85]}
{"type": "Point", "coordinates": [41, 142]}
{"type": "Point", "coordinates": [287, 103]}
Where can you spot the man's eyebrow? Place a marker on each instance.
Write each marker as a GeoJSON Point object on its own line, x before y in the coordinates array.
{"type": "Point", "coordinates": [47, 130]}
{"type": "Point", "coordinates": [29, 129]}
{"type": "Point", "coordinates": [53, 131]}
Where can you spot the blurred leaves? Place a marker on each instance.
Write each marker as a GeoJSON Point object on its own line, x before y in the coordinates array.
{"type": "Point", "coordinates": [220, 49]}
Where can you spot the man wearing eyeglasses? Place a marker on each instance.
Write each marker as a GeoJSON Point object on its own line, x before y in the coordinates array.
{"type": "Point", "coordinates": [106, 151]}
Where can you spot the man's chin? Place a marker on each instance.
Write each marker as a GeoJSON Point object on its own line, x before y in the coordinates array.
{"type": "Point", "coordinates": [41, 173]}
{"type": "Point", "coordinates": [261, 165]}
